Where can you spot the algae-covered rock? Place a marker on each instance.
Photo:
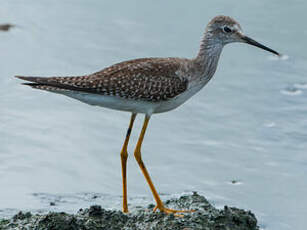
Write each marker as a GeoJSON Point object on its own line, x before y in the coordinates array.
{"type": "Point", "coordinates": [205, 217]}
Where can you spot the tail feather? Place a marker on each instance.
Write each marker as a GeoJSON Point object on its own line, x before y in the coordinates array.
{"type": "Point", "coordinates": [51, 84]}
{"type": "Point", "coordinates": [44, 83]}
{"type": "Point", "coordinates": [32, 79]}
{"type": "Point", "coordinates": [46, 87]}
{"type": "Point", "coordinates": [31, 84]}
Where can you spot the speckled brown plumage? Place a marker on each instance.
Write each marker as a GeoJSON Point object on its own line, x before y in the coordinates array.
{"type": "Point", "coordinates": [153, 79]}
{"type": "Point", "coordinates": [149, 79]}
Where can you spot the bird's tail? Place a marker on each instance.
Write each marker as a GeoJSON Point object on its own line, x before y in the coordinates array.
{"type": "Point", "coordinates": [40, 83]}
{"type": "Point", "coordinates": [36, 80]}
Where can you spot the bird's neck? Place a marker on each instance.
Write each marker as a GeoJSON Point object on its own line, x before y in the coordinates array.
{"type": "Point", "coordinates": [208, 57]}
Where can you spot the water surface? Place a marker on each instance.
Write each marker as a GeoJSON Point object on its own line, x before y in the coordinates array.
{"type": "Point", "coordinates": [248, 124]}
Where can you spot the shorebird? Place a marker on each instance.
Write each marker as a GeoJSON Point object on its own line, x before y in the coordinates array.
{"type": "Point", "coordinates": [149, 86]}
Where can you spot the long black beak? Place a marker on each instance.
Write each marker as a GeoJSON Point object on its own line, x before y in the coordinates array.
{"type": "Point", "coordinates": [254, 43]}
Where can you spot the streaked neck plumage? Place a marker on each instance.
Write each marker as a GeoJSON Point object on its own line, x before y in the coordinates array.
{"type": "Point", "coordinates": [208, 56]}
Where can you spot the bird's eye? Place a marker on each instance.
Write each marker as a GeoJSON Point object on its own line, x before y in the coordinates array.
{"type": "Point", "coordinates": [227, 29]}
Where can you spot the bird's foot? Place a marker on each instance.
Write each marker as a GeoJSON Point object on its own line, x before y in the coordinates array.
{"type": "Point", "coordinates": [171, 211]}
{"type": "Point", "coordinates": [125, 210]}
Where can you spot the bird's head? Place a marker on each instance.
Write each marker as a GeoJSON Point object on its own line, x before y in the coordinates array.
{"type": "Point", "coordinates": [224, 30]}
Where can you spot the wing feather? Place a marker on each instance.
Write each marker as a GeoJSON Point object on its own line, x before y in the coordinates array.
{"type": "Point", "coordinates": [149, 79]}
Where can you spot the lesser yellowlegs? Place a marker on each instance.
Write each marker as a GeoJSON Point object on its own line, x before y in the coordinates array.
{"type": "Point", "coordinates": [149, 85]}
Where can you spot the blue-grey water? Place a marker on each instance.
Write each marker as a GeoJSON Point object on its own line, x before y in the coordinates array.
{"type": "Point", "coordinates": [249, 124]}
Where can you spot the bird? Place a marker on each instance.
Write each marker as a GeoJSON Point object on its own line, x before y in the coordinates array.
{"type": "Point", "coordinates": [149, 86]}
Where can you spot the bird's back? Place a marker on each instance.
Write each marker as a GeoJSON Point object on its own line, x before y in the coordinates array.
{"type": "Point", "coordinates": [147, 79]}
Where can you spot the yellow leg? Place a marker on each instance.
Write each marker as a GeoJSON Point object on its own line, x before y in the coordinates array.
{"type": "Point", "coordinates": [138, 157]}
{"type": "Point", "coordinates": [124, 156]}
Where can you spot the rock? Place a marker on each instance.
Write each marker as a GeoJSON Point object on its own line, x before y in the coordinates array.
{"type": "Point", "coordinates": [205, 217]}
{"type": "Point", "coordinates": [52, 203]}
{"type": "Point", "coordinates": [21, 216]}
{"type": "Point", "coordinates": [5, 27]}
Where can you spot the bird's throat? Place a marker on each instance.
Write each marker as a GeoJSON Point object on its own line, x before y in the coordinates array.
{"type": "Point", "coordinates": [208, 57]}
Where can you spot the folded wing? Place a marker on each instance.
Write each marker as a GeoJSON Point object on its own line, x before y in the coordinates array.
{"type": "Point", "coordinates": [149, 79]}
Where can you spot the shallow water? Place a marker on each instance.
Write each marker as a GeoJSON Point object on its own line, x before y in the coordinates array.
{"type": "Point", "coordinates": [248, 124]}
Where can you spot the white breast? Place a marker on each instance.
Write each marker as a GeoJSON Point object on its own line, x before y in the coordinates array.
{"type": "Point", "coordinates": [180, 99]}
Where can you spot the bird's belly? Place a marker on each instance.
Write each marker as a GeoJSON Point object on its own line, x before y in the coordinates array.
{"type": "Point", "coordinates": [112, 102]}
{"type": "Point", "coordinates": [130, 105]}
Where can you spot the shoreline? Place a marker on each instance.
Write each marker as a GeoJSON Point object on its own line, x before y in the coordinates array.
{"type": "Point", "coordinates": [205, 217]}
